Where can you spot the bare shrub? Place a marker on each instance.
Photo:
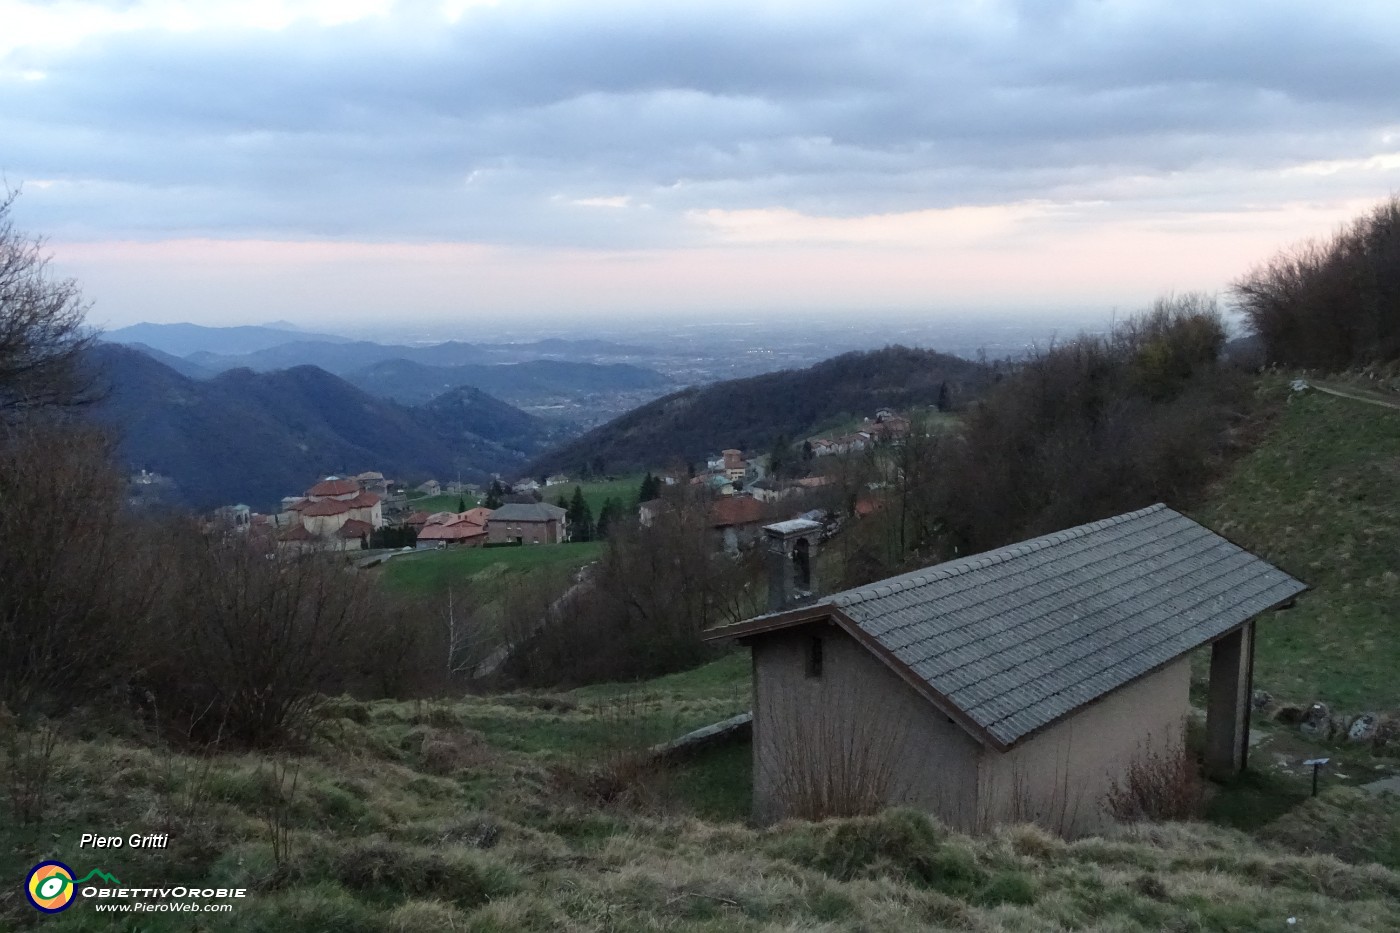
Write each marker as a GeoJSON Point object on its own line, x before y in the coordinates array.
{"type": "Point", "coordinates": [822, 760]}
{"type": "Point", "coordinates": [246, 647]}
{"type": "Point", "coordinates": [75, 583]}
{"type": "Point", "coordinates": [1158, 786]}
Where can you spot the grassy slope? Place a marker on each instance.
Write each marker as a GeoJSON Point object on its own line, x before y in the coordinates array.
{"type": "Point", "coordinates": [489, 814]}
{"type": "Point", "coordinates": [484, 568]}
{"type": "Point", "coordinates": [442, 503]}
{"type": "Point", "coordinates": [1320, 498]}
{"type": "Point", "coordinates": [595, 493]}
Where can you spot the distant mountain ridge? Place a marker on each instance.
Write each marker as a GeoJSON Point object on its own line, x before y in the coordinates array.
{"type": "Point", "coordinates": [414, 383]}
{"type": "Point", "coordinates": [255, 437]}
{"type": "Point", "coordinates": [184, 339]}
{"type": "Point", "coordinates": [263, 348]}
{"type": "Point", "coordinates": [751, 413]}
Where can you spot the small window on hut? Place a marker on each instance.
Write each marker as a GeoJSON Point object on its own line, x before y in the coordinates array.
{"type": "Point", "coordinates": [814, 656]}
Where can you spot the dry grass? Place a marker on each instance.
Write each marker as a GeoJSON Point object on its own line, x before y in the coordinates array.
{"type": "Point", "coordinates": [381, 842]}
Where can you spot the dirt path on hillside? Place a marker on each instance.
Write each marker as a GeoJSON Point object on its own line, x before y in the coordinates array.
{"type": "Point", "coordinates": [1357, 395]}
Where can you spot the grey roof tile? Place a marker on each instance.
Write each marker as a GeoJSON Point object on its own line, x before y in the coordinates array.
{"type": "Point", "coordinates": [1019, 636]}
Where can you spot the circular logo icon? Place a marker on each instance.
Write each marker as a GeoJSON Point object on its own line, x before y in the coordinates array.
{"type": "Point", "coordinates": [49, 887]}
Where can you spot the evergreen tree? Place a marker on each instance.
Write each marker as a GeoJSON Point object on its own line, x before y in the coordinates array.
{"type": "Point", "coordinates": [945, 400]}
{"type": "Point", "coordinates": [651, 488]}
{"type": "Point", "coordinates": [778, 458]}
{"type": "Point", "coordinates": [461, 503]}
{"type": "Point", "coordinates": [609, 516]}
{"type": "Point", "coordinates": [494, 495]}
{"type": "Point", "coordinates": [807, 452]}
{"type": "Point", "coordinates": [580, 517]}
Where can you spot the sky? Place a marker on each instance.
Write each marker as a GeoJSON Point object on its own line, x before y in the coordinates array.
{"type": "Point", "coordinates": [347, 162]}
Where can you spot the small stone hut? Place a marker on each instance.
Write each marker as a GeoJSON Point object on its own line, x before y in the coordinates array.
{"type": "Point", "coordinates": [1016, 685]}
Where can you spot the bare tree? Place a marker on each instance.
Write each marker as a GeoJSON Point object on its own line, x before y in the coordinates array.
{"type": "Point", "coordinates": [74, 586]}
{"type": "Point", "coordinates": [42, 337]}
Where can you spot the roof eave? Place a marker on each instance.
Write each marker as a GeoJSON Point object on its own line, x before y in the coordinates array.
{"type": "Point", "coordinates": [766, 625]}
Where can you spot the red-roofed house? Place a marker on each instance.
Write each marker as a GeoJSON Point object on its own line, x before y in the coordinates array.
{"type": "Point", "coordinates": [457, 530]}
{"type": "Point", "coordinates": [320, 519]}
{"type": "Point", "coordinates": [332, 487]}
{"type": "Point", "coordinates": [738, 520]}
{"type": "Point", "coordinates": [479, 515]}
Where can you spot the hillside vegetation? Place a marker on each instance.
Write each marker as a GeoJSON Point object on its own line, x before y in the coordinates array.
{"type": "Point", "coordinates": [751, 413]}
{"type": "Point", "coordinates": [255, 437]}
{"type": "Point", "coordinates": [1320, 497]}
{"type": "Point", "coordinates": [533, 812]}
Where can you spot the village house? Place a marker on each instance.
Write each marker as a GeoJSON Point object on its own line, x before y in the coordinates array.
{"type": "Point", "coordinates": [452, 529]}
{"type": "Point", "coordinates": [1019, 684]}
{"type": "Point", "coordinates": [888, 425]}
{"type": "Point", "coordinates": [480, 515]}
{"type": "Point", "coordinates": [717, 484]}
{"type": "Point", "coordinates": [373, 481]}
{"type": "Point", "coordinates": [236, 517]}
{"type": "Point", "coordinates": [769, 490]}
{"type": "Point", "coordinates": [648, 511]}
{"type": "Point", "coordinates": [738, 521]}
{"type": "Point", "coordinates": [430, 488]}
{"type": "Point", "coordinates": [526, 487]}
{"type": "Point", "coordinates": [734, 466]}
{"type": "Point", "coordinates": [528, 523]}
{"type": "Point", "coordinates": [335, 514]}
{"type": "Point", "coordinates": [557, 479]}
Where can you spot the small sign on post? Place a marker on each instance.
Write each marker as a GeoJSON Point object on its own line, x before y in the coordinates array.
{"type": "Point", "coordinates": [1316, 763]}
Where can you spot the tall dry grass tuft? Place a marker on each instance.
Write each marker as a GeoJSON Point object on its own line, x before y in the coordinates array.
{"type": "Point", "coordinates": [26, 769]}
{"type": "Point", "coordinates": [623, 768]}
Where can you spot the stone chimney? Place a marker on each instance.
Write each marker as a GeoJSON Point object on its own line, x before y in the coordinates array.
{"type": "Point", "coordinates": [792, 560]}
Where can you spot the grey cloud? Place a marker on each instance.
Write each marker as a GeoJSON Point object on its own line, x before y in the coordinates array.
{"type": "Point", "coordinates": [373, 129]}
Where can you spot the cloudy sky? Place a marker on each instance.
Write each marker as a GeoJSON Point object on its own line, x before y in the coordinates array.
{"type": "Point", "coordinates": [345, 161]}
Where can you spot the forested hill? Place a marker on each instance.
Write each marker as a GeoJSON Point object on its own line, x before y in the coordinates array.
{"type": "Point", "coordinates": [255, 437]}
{"type": "Point", "coordinates": [750, 413]}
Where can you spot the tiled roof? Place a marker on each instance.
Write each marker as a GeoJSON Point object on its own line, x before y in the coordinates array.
{"type": "Point", "coordinates": [353, 528]}
{"type": "Point", "coordinates": [736, 510]}
{"type": "Point", "coordinates": [479, 515]}
{"type": "Point", "coordinates": [1018, 637]}
{"type": "Point", "coordinates": [453, 531]}
{"type": "Point", "coordinates": [334, 487]}
{"type": "Point", "coordinates": [532, 512]}
{"type": "Point", "coordinates": [299, 533]}
{"type": "Point", "coordinates": [325, 507]}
